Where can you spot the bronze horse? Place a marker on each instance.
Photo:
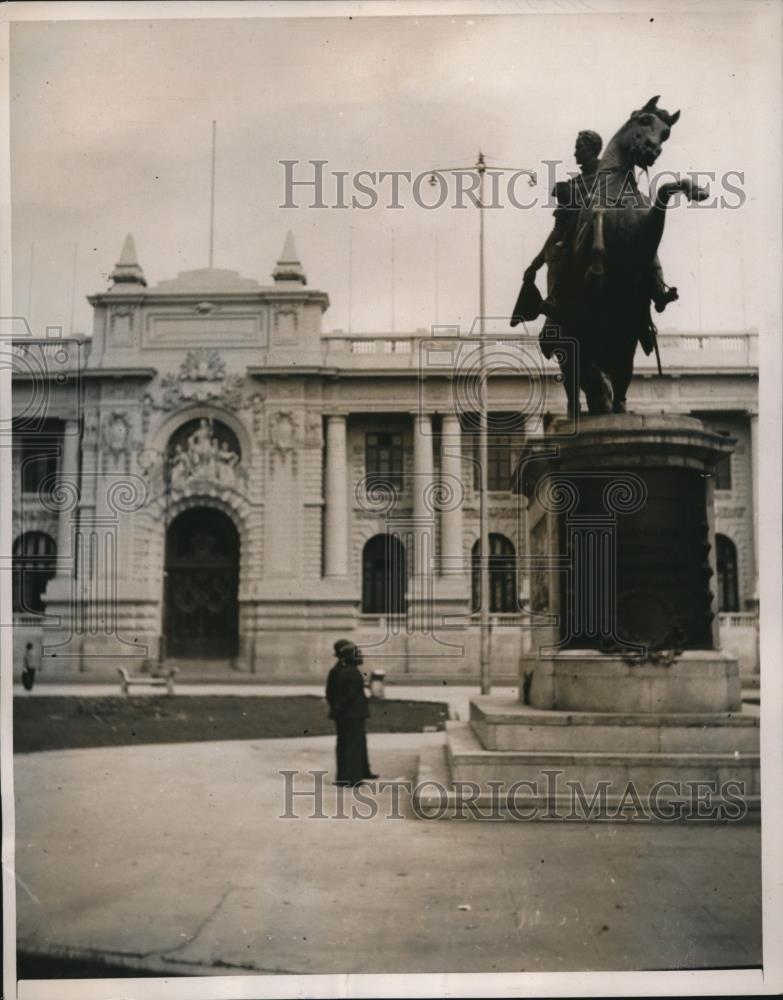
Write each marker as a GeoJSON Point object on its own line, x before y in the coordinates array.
{"type": "Point", "coordinates": [606, 281]}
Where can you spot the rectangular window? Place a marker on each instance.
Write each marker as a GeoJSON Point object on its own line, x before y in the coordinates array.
{"type": "Point", "coordinates": [499, 461]}
{"type": "Point", "coordinates": [383, 461]}
{"type": "Point", "coordinates": [39, 465]}
{"type": "Point", "coordinates": [723, 469]}
{"type": "Point", "coordinates": [504, 442]}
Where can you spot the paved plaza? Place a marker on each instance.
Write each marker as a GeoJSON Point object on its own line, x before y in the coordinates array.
{"type": "Point", "coordinates": [174, 859]}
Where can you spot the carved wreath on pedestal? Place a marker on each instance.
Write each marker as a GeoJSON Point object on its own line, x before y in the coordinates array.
{"type": "Point", "coordinates": [647, 619]}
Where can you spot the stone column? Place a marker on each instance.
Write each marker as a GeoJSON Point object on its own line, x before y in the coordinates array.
{"type": "Point", "coordinates": [423, 524]}
{"type": "Point", "coordinates": [336, 498]}
{"type": "Point", "coordinates": [452, 493]}
{"type": "Point", "coordinates": [423, 500]}
{"type": "Point", "coordinates": [61, 647]}
{"type": "Point", "coordinates": [68, 474]}
{"type": "Point", "coordinates": [754, 471]}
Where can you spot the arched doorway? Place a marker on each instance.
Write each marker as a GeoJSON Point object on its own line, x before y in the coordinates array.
{"type": "Point", "coordinates": [502, 576]}
{"type": "Point", "coordinates": [383, 576]}
{"type": "Point", "coordinates": [201, 611]}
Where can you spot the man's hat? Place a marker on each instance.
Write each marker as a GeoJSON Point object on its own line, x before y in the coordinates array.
{"type": "Point", "coordinates": [340, 645]}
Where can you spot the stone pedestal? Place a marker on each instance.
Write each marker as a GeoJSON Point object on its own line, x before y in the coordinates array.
{"type": "Point", "coordinates": [625, 695]}
{"type": "Point", "coordinates": [621, 532]}
{"type": "Point", "coordinates": [579, 680]}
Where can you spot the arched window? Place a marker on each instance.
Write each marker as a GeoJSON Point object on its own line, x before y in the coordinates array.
{"type": "Point", "coordinates": [726, 558]}
{"type": "Point", "coordinates": [502, 576]}
{"type": "Point", "coordinates": [383, 576]}
{"type": "Point", "coordinates": [34, 564]}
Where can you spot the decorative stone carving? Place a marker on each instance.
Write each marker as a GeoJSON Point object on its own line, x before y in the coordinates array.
{"type": "Point", "coordinates": [115, 440]}
{"type": "Point", "coordinates": [34, 518]}
{"type": "Point", "coordinates": [729, 512]}
{"type": "Point", "coordinates": [123, 310]}
{"type": "Point", "coordinates": [204, 460]}
{"type": "Point", "coordinates": [286, 320]}
{"type": "Point", "coordinates": [506, 513]}
{"type": "Point", "coordinates": [91, 429]}
{"type": "Point", "coordinates": [204, 457]}
{"type": "Point", "coordinates": [283, 432]}
{"type": "Point", "coordinates": [257, 408]}
{"type": "Point", "coordinates": [283, 438]}
{"type": "Point", "coordinates": [313, 430]}
{"type": "Point", "coordinates": [150, 463]}
{"type": "Point", "coordinates": [120, 391]}
{"type": "Point", "coordinates": [202, 378]}
{"type": "Point", "coordinates": [287, 390]}
{"type": "Point", "coordinates": [121, 323]}
{"type": "Point", "coordinates": [147, 406]}
{"type": "Point", "coordinates": [203, 364]}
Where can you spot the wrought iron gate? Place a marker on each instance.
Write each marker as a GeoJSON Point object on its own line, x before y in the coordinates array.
{"type": "Point", "coordinates": [202, 583]}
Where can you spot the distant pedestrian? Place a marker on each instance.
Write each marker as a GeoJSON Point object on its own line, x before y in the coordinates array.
{"type": "Point", "coordinates": [30, 666]}
{"type": "Point", "coordinates": [348, 707]}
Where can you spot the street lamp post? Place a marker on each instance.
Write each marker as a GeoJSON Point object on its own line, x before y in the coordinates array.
{"type": "Point", "coordinates": [484, 548]}
{"type": "Point", "coordinates": [480, 167]}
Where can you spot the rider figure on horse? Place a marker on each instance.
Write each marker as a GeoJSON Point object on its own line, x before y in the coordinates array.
{"type": "Point", "coordinates": [571, 196]}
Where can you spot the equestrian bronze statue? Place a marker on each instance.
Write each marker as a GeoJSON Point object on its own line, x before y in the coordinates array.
{"type": "Point", "coordinates": [602, 263]}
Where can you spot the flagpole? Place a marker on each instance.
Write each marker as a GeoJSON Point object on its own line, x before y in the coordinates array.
{"type": "Point", "coordinates": [212, 199]}
{"type": "Point", "coordinates": [484, 552]}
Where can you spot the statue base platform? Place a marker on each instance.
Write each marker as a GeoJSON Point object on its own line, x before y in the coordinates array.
{"type": "Point", "coordinates": [514, 762]}
{"type": "Point", "coordinates": [629, 708]}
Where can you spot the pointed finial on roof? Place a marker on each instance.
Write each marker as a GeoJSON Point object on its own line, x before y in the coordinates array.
{"type": "Point", "coordinates": [127, 270]}
{"type": "Point", "coordinates": [288, 267]}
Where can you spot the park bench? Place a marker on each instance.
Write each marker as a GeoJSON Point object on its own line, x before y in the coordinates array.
{"type": "Point", "coordinates": [164, 679]}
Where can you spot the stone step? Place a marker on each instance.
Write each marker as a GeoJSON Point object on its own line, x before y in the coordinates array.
{"type": "Point", "coordinates": [501, 723]}
{"type": "Point", "coordinates": [470, 761]}
{"type": "Point", "coordinates": [436, 795]}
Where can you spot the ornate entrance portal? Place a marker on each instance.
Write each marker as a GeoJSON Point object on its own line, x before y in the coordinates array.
{"type": "Point", "coordinates": [202, 581]}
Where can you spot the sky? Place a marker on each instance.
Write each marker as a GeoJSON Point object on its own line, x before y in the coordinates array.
{"type": "Point", "coordinates": [111, 132]}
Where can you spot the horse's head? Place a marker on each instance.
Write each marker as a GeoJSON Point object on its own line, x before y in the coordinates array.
{"type": "Point", "coordinates": [646, 131]}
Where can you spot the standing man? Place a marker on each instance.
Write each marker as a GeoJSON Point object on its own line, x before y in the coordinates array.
{"type": "Point", "coordinates": [31, 663]}
{"type": "Point", "coordinates": [348, 707]}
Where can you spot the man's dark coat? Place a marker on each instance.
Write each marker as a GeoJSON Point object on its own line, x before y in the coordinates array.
{"type": "Point", "coordinates": [348, 708]}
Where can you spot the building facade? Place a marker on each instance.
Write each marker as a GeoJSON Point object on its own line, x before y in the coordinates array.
{"type": "Point", "coordinates": [211, 480]}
